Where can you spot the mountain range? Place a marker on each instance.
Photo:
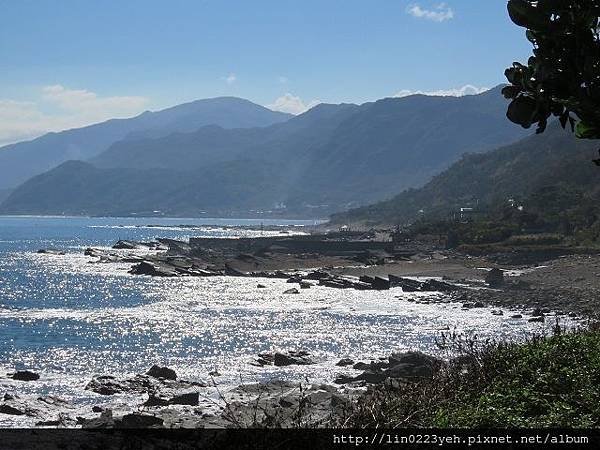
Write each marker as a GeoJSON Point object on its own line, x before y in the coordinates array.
{"type": "Point", "coordinates": [547, 166]}
{"type": "Point", "coordinates": [328, 159]}
{"type": "Point", "coordinates": [21, 161]}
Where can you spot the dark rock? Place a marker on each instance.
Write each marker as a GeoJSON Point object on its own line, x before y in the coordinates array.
{"type": "Point", "coordinates": [292, 358]}
{"type": "Point", "coordinates": [109, 385]}
{"type": "Point", "coordinates": [50, 251]}
{"type": "Point", "coordinates": [162, 372]}
{"type": "Point", "coordinates": [63, 420]}
{"type": "Point", "coordinates": [369, 376]}
{"type": "Point", "coordinates": [97, 409]}
{"type": "Point", "coordinates": [260, 286]}
{"type": "Point", "coordinates": [361, 366]}
{"type": "Point", "coordinates": [25, 375]}
{"type": "Point", "coordinates": [373, 365]}
{"type": "Point", "coordinates": [470, 305]}
{"type": "Point", "coordinates": [292, 291]}
{"type": "Point", "coordinates": [381, 283]}
{"type": "Point", "coordinates": [497, 312]}
{"type": "Point", "coordinates": [125, 245]}
{"type": "Point", "coordinates": [51, 400]}
{"type": "Point", "coordinates": [414, 358]}
{"type": "Point", "coordinates": [12, 410]}
{"type": "Point", "coordinates": [343, 379]}
{"type": "Point", "coordinates": [407, 370]}
{"type": "Point", "coordinates": [537, 319]}
{"type": "Point", "coordinates": [516, 316]}
{"type": "Point", "coordinates": [494, 278]}
{"type": "Point", "coordinates": [185, 398]}
{"type": "Point", "coordinates": [154, 269]}
{"type": "Point", "coordinates": [438, 286]}
{"type": "Point", "coordinates": [232, 272]}
{"type": "Point", "coordinates": [537, 312]}
{"type": "Point", "coordinates": [344, 362]}
{"type": "Point", "coordinates": [105, 420]}
{"type": "Point", "coordinates": [305, 285]}
{"type": "Point", "coordinates": [406, 284]}
{"type": "Point", "coordinates": [317, 275]}
{"type": "Point", "coordinates": [378, 283]}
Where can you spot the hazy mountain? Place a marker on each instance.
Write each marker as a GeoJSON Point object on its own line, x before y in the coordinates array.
{"type": "Point", "coordinates": [324, 160]}
{"type": "Point", "coordinates": [21, 161]}
{"type": "Point", "coordinates": [78, 188]}
{"type": "Point", "coordinates": [553, 159]}
{"type": "Point", "coordinates": [4, 193]}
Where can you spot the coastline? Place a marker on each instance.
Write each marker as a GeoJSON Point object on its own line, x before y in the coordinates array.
{"type": "Point", "coordinates": [523, 293]}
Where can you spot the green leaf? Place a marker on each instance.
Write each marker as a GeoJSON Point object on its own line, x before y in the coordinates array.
{"type": "Point", "coordinates": [523, 111]}
{"type": "Point", "coordinates": [524, 14]}
{"type": "Point", "coordinates": [585, 131]}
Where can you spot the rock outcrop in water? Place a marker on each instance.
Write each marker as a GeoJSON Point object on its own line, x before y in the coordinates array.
{"type": "Point", "coordinates": [405, 366]}
{"type": "Point", "coordinates": [25, 375]}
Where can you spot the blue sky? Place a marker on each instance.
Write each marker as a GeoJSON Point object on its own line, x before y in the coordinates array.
{"type": "Point", "coordinates": [72, 62]}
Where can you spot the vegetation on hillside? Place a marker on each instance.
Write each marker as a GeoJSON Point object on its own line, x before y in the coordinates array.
{"type": "Point", "coordinates": [324, 160]}
{"type": "Point", "coordinates": [542, 184]}
{"type": "Point", "coordinates": [547, 381]}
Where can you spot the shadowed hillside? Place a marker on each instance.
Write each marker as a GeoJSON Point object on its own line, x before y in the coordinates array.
{"type": "Point", "coordinates": [328, 159]}
{"type": "Point", "coordinates": [553, 159]}
{"type": "Point", "coordinates": [20, 161]}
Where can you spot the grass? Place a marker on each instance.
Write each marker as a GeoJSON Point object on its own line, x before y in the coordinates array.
{"type": "Point", "coordinates": [547, 381]}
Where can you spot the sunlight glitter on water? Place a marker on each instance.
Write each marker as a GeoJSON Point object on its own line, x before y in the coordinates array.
{"type": "Point", "coordinates": [69, 319]}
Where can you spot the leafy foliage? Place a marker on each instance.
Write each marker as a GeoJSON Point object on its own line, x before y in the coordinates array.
{"type": "Point", "coordinates": [562, 78]}
{"type": "Point", "coordinates": [550, 381]}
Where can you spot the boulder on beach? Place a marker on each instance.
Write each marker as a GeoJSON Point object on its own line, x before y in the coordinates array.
{"type": "Point", "coordinates": [345, 362]}
{"type": "Point", "coordinates": [537, 319]}
{"type": "Point", "coordinates": [109, 385]}
{"type": "Point", "coordinates": [191, 398]}
{"type": "Point", "coordinates": [162, 372]}
{"type": "Point", "coordinates": [25, 375]}
{"type": "Point", "coordinates": [154, 269]}
{"type": "Point", "coordinates": [415, 358]}
{"type": "Point", "coordinates": [494, 278]}
{"type": "Point", "coordinates": [50, 251]}
{"type": "Point", "coordinates": [299, 358]}
{"type": "Point", "coordinates": [408, 366]}
{"type": "Point", "coordinates": [125, 245]}
{"type": "Point", "coordinates": [292, 291]}
{"type": "Point", "coordinates": [292, 358]}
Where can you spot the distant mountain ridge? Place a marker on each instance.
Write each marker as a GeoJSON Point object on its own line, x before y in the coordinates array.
{"type": "Point", "coordinates": [554, 159]}
{"type": "Point", "coordinates": [21, 161]}
{"type": "Point", "coordinates": [325, 160]}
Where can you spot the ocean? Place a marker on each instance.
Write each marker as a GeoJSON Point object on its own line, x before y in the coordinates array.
{"type": "Point", "coordinates": [69, 318]}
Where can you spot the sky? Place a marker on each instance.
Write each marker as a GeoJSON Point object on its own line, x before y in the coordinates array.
{"type": "Point", "coordinates": [69, 63]}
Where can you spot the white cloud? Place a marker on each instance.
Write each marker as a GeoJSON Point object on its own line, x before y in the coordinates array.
{"type": "Point", "coordinates": [458, 92]}
{"type": "Point", "coordinates": [230, 79]}
{"type": "Point", "coordinates": [292, 104]}
{"type": "Point", "coordinates": [86, 102]}
{"type": "Point", "coordinates": [439, 13]}
{"type": "Point", "coordinates": [59, 108]}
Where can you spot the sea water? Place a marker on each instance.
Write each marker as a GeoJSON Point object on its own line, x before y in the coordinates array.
{"type": "Point", "coordinates": [69, 318]}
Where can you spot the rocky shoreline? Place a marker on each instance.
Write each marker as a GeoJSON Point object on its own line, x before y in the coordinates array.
{"type": "Point", "coordinates": [541, 292]}
{"type": "Point", "coordinates": [163, 400]}
{"type": "Point", "coordinates": [567, 284]}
